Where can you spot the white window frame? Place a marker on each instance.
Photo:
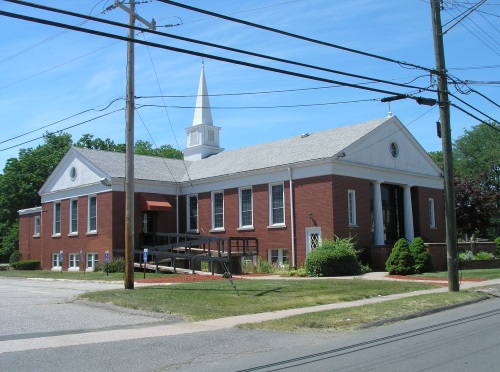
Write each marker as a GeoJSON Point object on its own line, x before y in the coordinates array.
{"type": "Point", "coordinates": [351, 207]}
{"type": "Point", "coordinates": [214, 214]}
{"type": "Point", "coordinates": [89, 217]}
{"type": "Point", "coordinates": [56, 221]}
{"type": "Point", "coordinates": [73, 217]}
{"type": "Point", "coordinates": [188, 212]}
{"type": "Point", "coordinates": [36, 226]}
{"type": "Point", "coordinates": [280, 257]}
{"type": "Point", "coordinates": [55, 259]}
{"type": "Point", "coordinates": [240, 208]}
{"type": "Point", "coordinates": [272, 223]}
{"type": "Point", "coordinates": [73, 261]}
{"type": "Point", "coordinates": [432, 214]}
{"type": "Point", "coordinates": [93, 259]}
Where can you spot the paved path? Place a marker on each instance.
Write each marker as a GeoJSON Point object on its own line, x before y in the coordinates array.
{"type": "Point", "coordinates": [159, 329]}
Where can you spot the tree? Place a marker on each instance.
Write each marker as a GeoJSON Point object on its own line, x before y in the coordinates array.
{"type": "Point", "coordinates": [423, 260]}
{"type": "Point", "coordinates": [437, 156]}
{"type": "Point", "coordinates": [400, 261]}
{"type": "Point", "coordinates": [165, 151]}
{"type": "Point", "coordinates": [87, 141]}
{"type": "Point", "coordinates": [477, 202]}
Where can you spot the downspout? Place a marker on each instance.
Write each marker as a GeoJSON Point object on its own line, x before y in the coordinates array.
{"type": "Point", "coordinates": [177, 211]}
{"type": "Point", "coordinates": [292, 215]}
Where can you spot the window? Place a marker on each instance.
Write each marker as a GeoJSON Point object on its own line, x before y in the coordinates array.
{"type": "Point", "coordinates": [36, 227]}
{"type": "Point", "coordinates": [92, 260]}
{"type": "Point", "coordinates": [193, 138]}
{"type": "Point", "coordinates": [394, 150]}
{"type": "Point", "coordinates": [276, 205]}
{"type": "Point", "coordinates": [432, 217]}
{"type": "Point", "coordinates": [351, 208]}
{"type": "Point", "coordinates": [278, 257]}
{"type": "Point", "coordinates": [211, 135]}
{"type": "Point", "coordinates": [92, 219]}
{"type": "Point", "coordinates": [217, 210]}
{"type": "Point", "coordinates": [149, 222]}
{"type": "Point", "coordinates": [192, 212]}
{"type": "Point", "coordinates": [73, 216]}
{"type": "Point", "coordinates": [74, 261]}
{"type": "Point", "coordinates": [246, 209]}
{"type": "Point", "coordinates": [57, 219]}
{"type": "Point", "coordinates": [56, 263]}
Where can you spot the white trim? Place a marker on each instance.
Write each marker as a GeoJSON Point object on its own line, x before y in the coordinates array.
{"type": "Point", "coordinates": [218, 228]}
{"type": "Point", "coordinates": [240, 206]}
{"type": "Point", "coordinates": [94, 259]}
{"type": "Point", "coordinates": [89, 230]}
{"type": "Point", "coordinates": [58, 267]}
{"type": "Point", "coordinates": [312, 231]}
{"type": "Point", "coordinates": [35, 225]}
{"type": "Point", "coordinates": [73, 259]}
{"type": "Point", "coordinates": [351, 207]}
{"type": "Point", "coordinates": [280, 257]}
{"type": "Point", "coordinates": [270, 192]}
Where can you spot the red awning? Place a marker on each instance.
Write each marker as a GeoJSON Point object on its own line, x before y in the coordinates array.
{"type": "Point", "coordinates": [155, 202]}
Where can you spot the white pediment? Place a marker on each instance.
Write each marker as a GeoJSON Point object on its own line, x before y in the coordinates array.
{"type": "Point", "coordinates": [392, 147]}
{"type": "Point", "coordinates": [73, 172]}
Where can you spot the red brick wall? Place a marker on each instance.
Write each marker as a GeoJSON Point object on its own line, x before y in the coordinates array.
{"type": "Point", "coordinates": [29, 246]}
{"type": "Point", "coordinates": [420, 204]}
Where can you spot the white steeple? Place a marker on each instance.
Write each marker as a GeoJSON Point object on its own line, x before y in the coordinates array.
{"type": "Point", "coordinates": [202, 111]}
{"type": "Point", "coordinates": [202, 136]}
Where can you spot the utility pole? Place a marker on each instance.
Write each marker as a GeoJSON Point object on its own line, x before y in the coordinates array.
{"type": "Point", "coordinates": [129, 146]}
{"type": "Point", "coordinates": [449, 187]}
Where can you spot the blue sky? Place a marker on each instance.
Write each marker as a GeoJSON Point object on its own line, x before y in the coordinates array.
{"type": "Point", "coordinates": [49, 74]}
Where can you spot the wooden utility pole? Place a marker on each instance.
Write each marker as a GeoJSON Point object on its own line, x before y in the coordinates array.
{"type": "Point", "coordinates": [129, 158]}
{"type": "Point", "coordinates": [129, 145]}
{"type": "Point", "coordinates": [449, 187]}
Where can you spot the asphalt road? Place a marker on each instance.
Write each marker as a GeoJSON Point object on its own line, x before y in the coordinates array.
{"type": "Point", "coordinates": [44, 329]}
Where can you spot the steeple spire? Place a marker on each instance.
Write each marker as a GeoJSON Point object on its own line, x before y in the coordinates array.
{"type": "Point", "coordinates": [202, 138]}
{"type": "Point", "coordinates": [202, 111]}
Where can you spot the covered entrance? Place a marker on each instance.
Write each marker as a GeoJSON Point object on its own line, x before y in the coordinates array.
{"type": "Point", "coordinates": [389, 212]}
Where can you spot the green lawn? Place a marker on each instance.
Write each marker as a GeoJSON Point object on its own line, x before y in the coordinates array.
{"type": "Point", "coordinates": [98, 276]}
{"type": "Point", "coordinates": [485, 274]}
{"type": "Point", "coordinates": [351, 318]}
{"type": "Point", "coordinates": [217, 299]}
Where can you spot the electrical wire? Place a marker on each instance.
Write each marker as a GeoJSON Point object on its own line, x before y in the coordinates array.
{"type": "Point", "coordinates": [63, 129]}
{"type": "Point", "coordinates": [37, 6]}
{"type": "Point", "coordinates": [199, 54]}
{"type": "Point", "coordinates": [296, 36]}
{"type": "Point", "coordinates": [61, 120]}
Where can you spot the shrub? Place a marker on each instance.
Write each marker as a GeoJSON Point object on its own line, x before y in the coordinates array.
{"type": "Point", "coordinates": [264, 267]}
{"type": "Point", "coordinates": [483, 256]}
{"type": "Point", "coordinates": [335, 257]}
{"type": "Point", "coordinates": [26, 265]}
{"type": "Point", "coordinates": [466, 256]}
{"type": "Point", "coordinates": [422, 258]}
{"type": "Point", "coordinates": [117, 265]}
{"type": "Point", "coordinates": [400, 261]}
{"type": "Point", "coordinates": [497, 242]}
{"type": "Point", "coordinates": [16, 256]}
{"type": "Point", "coordinates": [4, 267]}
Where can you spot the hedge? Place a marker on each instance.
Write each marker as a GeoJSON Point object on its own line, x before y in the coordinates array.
{"type": "Point", "coordinates": [26, 265]}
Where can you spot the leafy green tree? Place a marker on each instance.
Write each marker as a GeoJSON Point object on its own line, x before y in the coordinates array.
{"type": "Point", "coordinates": [87, 141]}
{"type": "Point", "coordinates": [437, 156]}
{"type": "Point", "coordinates": [165, 151]}
{"type": "Point", "coordinates": [423, 261]}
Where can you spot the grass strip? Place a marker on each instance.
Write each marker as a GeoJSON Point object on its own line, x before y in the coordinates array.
{"type": "Point", "coordinates": [486, 274]}
{"type": "Point", "coordinates": [211, 300]}
{"type": "Point", "coordinates": [366, 315]}
{"type": "Point", "coordinates": [79, 275]}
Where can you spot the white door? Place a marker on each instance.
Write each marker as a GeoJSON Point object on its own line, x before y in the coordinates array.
{"type": "Point", "coordinates": [313, 238]}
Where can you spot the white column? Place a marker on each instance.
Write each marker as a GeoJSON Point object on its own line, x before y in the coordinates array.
{"type": "Point", "coordinates": [378, 218]}
{"type": "Point", "coordinates": [408, 213]}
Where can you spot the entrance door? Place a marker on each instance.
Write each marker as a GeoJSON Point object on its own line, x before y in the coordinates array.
{"type": "Point", "coordinates": [313, 238]}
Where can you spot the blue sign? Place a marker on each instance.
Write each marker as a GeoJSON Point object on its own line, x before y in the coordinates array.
{"type": "Point", "coordinates": [145, 254]}
{"type": "Point", "coordinates": [106, 256]}
{"type": "Point", "coordinates": [60, 256]}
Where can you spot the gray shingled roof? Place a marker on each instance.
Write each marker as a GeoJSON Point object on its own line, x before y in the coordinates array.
{"type": "Point", "coordinates": [293, 150]}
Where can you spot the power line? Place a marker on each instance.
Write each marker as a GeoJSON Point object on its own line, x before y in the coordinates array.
{"type": "Point", "coordinates": [199, 54]}
{"type": "Point", "coordinates": [214, 45]}
{"type": "Point", "coordinates": [296, 36]}
{"type": "Point", "coordinates": [63, 129]}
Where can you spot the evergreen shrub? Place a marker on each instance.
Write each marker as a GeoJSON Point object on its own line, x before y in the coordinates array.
{"type": "Point", "coordinates": [117, 265]}
{"type": "Point", "coordinates": [16, 256]}
{"type": "Point", "coordinates": [497, 242]}
{"type": "Point", "coordinates": [26, 265]}
{"type": "Point", "coordinates": [400, 261]}
{"type": "Point", "coordinates": [423, 261]}
{"type": "Point", "coordinates": [335, 257]}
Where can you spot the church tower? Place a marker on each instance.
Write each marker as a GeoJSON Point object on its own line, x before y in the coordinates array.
{"type": "Point", "coordinates": [202, 136]}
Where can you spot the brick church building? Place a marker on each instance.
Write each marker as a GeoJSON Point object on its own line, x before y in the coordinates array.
{"type": "Point", "coordinates": [371, 181]}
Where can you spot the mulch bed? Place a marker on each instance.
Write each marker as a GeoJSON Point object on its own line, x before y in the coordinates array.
{"type": "Point", "coordinates": [432, 279]}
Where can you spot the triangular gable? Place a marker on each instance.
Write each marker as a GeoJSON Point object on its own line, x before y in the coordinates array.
{"type": "Point", "coordinates": [374, 150]}
{"type": "Point", "coordinates": [73, 171]}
